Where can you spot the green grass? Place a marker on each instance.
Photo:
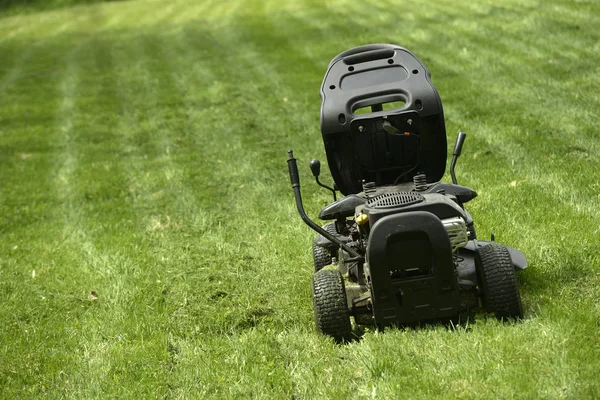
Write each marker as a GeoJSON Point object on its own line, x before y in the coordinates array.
{"type": "Point", "coordinates": [142, 157]}
{"type": "Point", "coordinates": [8, 7]}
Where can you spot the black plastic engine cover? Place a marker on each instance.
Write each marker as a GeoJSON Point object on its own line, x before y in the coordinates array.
{"type": "Point", "coordinates": [440, 205]}
{"type": "Point", "coordinates": [411, 270]}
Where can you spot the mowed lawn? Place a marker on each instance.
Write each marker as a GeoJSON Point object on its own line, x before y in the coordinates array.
{"type": "Point", "coordinates": [149, 242]}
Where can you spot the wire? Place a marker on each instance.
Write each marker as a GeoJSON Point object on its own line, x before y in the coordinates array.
{"type": "Point", "coordinates": [418, 160]}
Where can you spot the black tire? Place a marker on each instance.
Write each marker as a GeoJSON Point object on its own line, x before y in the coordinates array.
{"type": "Point", "coordinates": [332, 316]}
{"type": "Point", "coordinates": [321, 255]}
{"type": "Point", "coordinates": [497, 281]}
{"type": "Point", "coordinates": [330, 227]}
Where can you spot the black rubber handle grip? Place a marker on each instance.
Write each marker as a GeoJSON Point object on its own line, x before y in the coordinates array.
{"type": "Point", "coordinates": [460, 140]}
{"type": "Point", "coordinates": [315, 168]}
{"type": "Point", "coordinates": [293, 168]}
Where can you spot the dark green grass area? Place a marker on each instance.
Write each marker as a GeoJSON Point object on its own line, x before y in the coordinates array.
{"type": "Point", "coordinates": [11, 7]}
{"type": "Point", "coordinates": [143, 158]}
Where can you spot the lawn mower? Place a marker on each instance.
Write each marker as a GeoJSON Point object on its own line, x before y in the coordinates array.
{"type": "Point", "coordinates": [399, 248]}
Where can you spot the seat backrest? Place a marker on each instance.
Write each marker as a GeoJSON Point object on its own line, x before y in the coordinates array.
{"type": "Point", "coordinates": [381, 118]}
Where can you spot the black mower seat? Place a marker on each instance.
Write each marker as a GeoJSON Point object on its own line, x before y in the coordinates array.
{"type": "Point", "coordinates": [381, 118]}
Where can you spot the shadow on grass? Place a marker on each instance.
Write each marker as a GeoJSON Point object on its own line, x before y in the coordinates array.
{"type": "Point", "coordinates": [462, 323]}
{"type": "Point", "coordinates": [29, 6]}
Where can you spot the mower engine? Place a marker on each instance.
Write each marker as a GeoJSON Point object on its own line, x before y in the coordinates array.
{"type": "Point", "coordinates": [398, 202]}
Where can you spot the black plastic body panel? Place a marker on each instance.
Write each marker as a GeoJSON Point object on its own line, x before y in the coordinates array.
{"type": "Point", "coordinates": [342, 208]}
{"type": "Point", "coordinates": [411, 270]}
{"type": "Point", "coordinates": [357, 146]}
{"type": "Point", "coordinates": [517, 257]}
{"type": "Point", "coordinates": [462, 193]}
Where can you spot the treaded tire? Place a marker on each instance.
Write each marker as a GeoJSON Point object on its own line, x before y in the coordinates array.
{"type": "Point", "coordinates": [331, 309]}
{"type": "Point", "coordinates": [322, 256]}
{"type": "Point", "coordinates": [498, 283]}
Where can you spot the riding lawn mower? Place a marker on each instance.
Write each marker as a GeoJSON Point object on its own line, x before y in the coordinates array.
{"type": "Point", "coordinates": [399, 248]}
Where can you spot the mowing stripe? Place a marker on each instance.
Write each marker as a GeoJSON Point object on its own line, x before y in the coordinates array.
{"type": "Point", "coordinates": [185, 109]}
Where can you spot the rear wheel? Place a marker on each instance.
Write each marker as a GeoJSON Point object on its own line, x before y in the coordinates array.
{"type": "Point", "coordinates": [332, 316]}
{"type": "Point", "coordinates": [498, 282]}
{"type": "Point", "coordinates": [321, 255]}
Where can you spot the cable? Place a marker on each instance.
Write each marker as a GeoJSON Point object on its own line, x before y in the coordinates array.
{"type": "Point", "coordinates": [418, 160]}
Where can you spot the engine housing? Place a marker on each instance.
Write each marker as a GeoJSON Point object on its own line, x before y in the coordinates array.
{"type": "Point", "coordinates": [393, 202]}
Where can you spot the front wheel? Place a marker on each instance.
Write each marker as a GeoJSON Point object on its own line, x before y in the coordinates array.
{"type": "Point", "coordinates": [332, 316]}
{"type": "Point", "coordinates": [498, 282]}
